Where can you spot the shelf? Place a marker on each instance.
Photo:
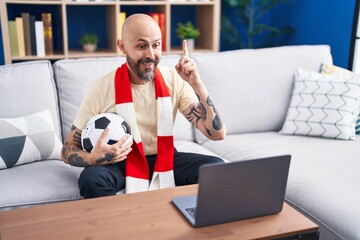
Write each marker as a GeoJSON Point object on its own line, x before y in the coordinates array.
{"type": "Point", "coordinates": [72, 19]}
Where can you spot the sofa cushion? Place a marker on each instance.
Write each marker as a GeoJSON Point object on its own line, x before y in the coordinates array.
{"type": "Point", "coordinates": [39, 182]}
{"type": "Point", "coordinates": [323, 105]}
{"type": "Point", "coordinates": [28, 139]}
{"type": "Point", "coordinates": [332, 69]}
{"type": "Point", "coordinates": [27, 88]}
{"type": "Point", "coordinates": [252, 88]}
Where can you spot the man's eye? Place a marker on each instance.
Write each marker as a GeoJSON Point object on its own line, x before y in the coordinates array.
{"type": "Point", "coordinates": [141, 46]}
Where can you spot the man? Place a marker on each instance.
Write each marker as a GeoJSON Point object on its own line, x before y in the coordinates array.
{"type": "Point", "coordinates": [148, 97]}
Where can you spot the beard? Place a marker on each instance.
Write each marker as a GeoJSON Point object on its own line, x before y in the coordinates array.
{"type": "Point", "coordinates": [147, 74]}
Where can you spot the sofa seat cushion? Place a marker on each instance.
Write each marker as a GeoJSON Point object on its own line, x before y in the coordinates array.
{"type": "Point", "coordinates": [322, 176]}
{"type": "Point", "coordinates": [39, 182]}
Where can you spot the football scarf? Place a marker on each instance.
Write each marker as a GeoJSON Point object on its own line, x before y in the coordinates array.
{"type": "Point", "coordinates": [137, 169]}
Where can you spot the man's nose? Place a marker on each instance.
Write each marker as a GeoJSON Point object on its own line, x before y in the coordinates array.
{"type": "Point", "coordinates": [150, 53]}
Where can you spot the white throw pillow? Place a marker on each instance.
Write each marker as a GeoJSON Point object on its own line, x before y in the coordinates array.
{"type": "Point", "coordinates": [323, 105]}
{"type": "Point", "coordinates": [27, 139]}
{"type": "Point", "coordinates": [335, 70]}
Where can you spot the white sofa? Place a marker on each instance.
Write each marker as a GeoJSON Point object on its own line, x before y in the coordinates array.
{"type": "Point", "coordinates": [251, 89]}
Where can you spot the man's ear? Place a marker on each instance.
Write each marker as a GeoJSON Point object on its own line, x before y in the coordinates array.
{"type": "Point", "coordinates": [120, 45]}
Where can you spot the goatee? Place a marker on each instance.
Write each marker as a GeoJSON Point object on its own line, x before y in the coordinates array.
{"type": "Point", "coordinates": [148, 74]}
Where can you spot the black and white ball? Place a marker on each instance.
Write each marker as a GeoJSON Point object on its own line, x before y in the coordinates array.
{"type": "Point", "coordinates": [118, 127]}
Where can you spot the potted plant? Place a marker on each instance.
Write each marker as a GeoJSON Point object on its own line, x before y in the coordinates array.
{"type": "Point", "coordinates": [89, 41]}
{"type": "Point", "coordinates": [187, 32]}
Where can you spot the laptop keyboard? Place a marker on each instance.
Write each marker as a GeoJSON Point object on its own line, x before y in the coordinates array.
{"type": "Point", "coordinates": [191, 211]}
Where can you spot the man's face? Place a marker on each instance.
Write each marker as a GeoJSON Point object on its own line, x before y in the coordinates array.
{"type": "Point", "coordinates": [143, 63]}
{"type": "Point", "coordinates": [142, 46]}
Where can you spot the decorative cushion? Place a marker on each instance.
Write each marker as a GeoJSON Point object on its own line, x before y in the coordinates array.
{"type": "Point", "coordinates": [323, 105]}
{"type": "Point", "coordinates": [332, 69]}
{"type": "Point", "coordinates": [27, 139]}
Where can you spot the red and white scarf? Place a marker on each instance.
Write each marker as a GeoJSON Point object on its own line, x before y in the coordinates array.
{"type": "Point", "coordinates": [137, 169]}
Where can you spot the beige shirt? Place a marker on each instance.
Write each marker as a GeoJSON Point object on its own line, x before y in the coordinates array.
{"type": "Point", "coordinates": [100, 98]}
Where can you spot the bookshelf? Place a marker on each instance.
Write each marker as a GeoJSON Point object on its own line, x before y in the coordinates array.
{"type": "Point", "coordinates": [72, 18]}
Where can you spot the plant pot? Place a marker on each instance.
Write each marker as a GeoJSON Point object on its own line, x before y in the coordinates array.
{"type": "Point", "coordinates": [89, 47]}
{"type": "Point", "coordinates": [190, 44]}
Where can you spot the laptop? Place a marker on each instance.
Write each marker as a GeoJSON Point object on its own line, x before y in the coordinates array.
{"type": "Point", "coordinates": [237, 190]}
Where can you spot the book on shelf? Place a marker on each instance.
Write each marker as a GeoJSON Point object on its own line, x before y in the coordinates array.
{"type": "Point", "coordinates": [40, 40]}
{"type": "Point", "coordinates": [122, 17]}
{"type": "Point", "coordinates": [48, 34]}
{"type": "Point", "coordinates": [14, 48]}
{"type": "Point", "coordinates": [20, 35]}
{"type": "Point", "coordinates": [32, 35]}
{"type": "Point", "coordinates": [160, 18]}
{"type": "Point", "coordinates": [27, 37]}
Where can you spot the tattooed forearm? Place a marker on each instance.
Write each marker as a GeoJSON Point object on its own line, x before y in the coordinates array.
{"type": "Point", "coordinates": [109, 157]}
{"type": "Point", "coordinates": [76, 160]}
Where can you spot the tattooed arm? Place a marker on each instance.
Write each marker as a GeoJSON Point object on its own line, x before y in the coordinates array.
{"type": "Point", "coordinates": [205, 117]}
{"type": "Point", "coordinates": [202, 115]}
{"type": "Point", "coordinates": [102, 154]}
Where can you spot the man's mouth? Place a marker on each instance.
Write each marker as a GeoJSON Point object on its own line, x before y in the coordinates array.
{"type": "Point", "coordinates": [148, 62]}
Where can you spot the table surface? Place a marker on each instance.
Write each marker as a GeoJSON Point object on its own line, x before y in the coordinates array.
{"type": "Point", "coordinates": [145, 215]}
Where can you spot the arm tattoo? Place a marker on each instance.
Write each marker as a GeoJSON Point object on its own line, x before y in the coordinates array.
{"type": "Point", "coordinates": [217, 123]}
{"type": "Point", "coordinates": [76, 160]}
{"type": "Point", "coordinates": [201, 112]}
{"type": "Point", "coordinates": [108, 158]}
{"type": "Point", "coordinates": [73, 127]}
{"type": "Point", "coordinates": [70, 154]}
{"type": "Point", "coordinates": [77, 137]}
{"type": "Point", "coordinates": [194, 114]}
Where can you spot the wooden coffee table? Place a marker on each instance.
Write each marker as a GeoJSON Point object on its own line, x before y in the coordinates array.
{"type": "Point", "coordinates": [146, 215]}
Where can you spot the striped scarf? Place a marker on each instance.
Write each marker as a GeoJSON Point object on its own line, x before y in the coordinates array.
{"type": "Point", "coordinates": [137, 169]}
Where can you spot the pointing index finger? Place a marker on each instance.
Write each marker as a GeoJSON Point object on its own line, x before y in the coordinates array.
{"type": "Point", "coordinates": [185, 49]}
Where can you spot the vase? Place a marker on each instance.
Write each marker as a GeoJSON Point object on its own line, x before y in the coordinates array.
{"type": "Point", "coordinates": [190, 44]}
{"type": "Point", "coordinates": [89, 47]}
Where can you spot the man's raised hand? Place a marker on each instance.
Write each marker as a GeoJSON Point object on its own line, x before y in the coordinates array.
{"type": "Point", "coordinates": [186, 66]}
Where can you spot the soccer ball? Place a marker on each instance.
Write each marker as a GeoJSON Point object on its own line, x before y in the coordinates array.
{"type": "Point", "coordinates": [93, 129]}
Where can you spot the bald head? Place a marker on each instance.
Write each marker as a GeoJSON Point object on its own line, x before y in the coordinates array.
{"type": "Point", "coordinates": [140, 25]}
